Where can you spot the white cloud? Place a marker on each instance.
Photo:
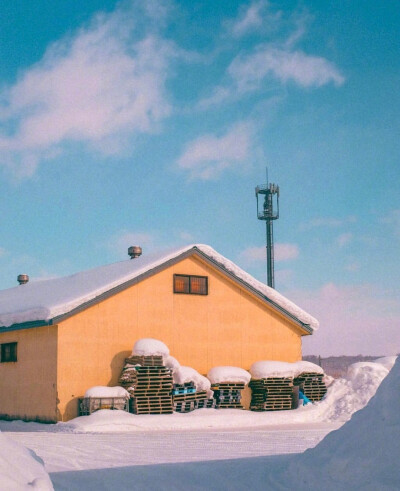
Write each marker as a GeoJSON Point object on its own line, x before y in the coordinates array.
{"type": "Point", "coordinates": [2, 251]}
{"type": "Point", "coordinates": [207, 156]}
{"type": "Point", "coordinates": [251, 18]}
{"type": "Point", "coordinates": [282, 252]}
{"type": "Point", "coordinates": [253, 254]}
{"type": "Point", "coordinates": [354, 319]}
{"type": "Point", "coordinates": [353, 267]}
{"type": "Point", "coordinates": [285, 252]}
{"type": "Point", "coordinates": [344, 239]}
{"type": "Point", "coordinates": [328, 222]}
{"type": "Point", "coordinates": [96, 88]}
{"type": "Point", "coordinates": [186, 237]}
{"type": "Point", "coordinates": [249, 71]}
{"type": "Point", "coordinates": [393, 219]}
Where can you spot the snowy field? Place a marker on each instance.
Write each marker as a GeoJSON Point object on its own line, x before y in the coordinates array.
{"type": "Point", "coordinates": [220, 449]}
{"type": "Point", "coordinates": [78, 451]}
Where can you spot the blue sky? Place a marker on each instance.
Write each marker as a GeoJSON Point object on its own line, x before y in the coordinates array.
{"type": "Point", "coordinates": [152, 122]}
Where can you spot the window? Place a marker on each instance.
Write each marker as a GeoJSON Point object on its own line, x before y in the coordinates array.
{"type": "Point", "coordinates": [8, 352]}
{"type": "Point", "coordinates": [194, 285]}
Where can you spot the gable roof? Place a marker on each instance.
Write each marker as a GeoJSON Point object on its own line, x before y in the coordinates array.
{"type": "Point", "coordinates": [50, 301]}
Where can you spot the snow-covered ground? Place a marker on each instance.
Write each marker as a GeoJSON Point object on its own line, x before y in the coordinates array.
{"type": "Point", "coordinates": [233, 449]}
{"type": "Point", "coordinates": [21, 468]}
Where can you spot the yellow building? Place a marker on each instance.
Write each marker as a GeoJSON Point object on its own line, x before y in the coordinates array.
{"type": "Point", "coordinates": [61, 336]}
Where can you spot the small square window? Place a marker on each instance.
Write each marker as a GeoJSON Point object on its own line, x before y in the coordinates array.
{"type": "Point", "coordinates": [190, 284]}
{"type": "Point", "coordinates": [8, 352]}
{"type": "Point", "coordinates": [181, 284]}
{"type": "Point", "coordinates": [198, 285]}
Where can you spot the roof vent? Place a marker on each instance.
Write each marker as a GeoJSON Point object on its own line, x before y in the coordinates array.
{"type": "Point", "coordinates": [22, 279]}
{"type": "Point", "coordinates": [135, 251]}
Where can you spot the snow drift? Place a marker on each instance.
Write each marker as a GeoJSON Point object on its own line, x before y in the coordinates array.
{"type": "Point", "coordinates": [20, 468]}
{"type": "Point", "coordinates": [351, 393]}
{"type": "Point", "coordinates": [362, 454]}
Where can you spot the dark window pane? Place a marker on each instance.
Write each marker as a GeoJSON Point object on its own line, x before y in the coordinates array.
{"type": "Point", "coordinates": [181, 284]}
{"type": "Point", "coordinates": [8, 352]}
{"type": "Point", "coordinates": [198, 284]}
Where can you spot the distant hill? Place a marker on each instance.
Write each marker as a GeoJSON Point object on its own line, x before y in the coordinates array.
{"type": "Point", "coordinates": [336, 366]}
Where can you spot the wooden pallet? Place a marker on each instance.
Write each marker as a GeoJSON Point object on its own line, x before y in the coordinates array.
{"type": "Point", "coordinates": [271, 394]}
{"type": "Point", "coordinates": [228, 386]}
{"type": "Point", "coordinates": [202, 394]}
{"type": "Point", "coordinates": [312, 385]}
{"type": "Point", "coordinates": [224, 405]}
{"type": "Point", "coordinates": [206, 404]}
{"type": "Point", "coordinates": [145, 361]}
{"type": "Point", "coordinates": [185, 407]}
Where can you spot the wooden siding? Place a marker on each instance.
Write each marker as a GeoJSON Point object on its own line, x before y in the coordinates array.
{"type": "Point", "coordinates": [28, 386]}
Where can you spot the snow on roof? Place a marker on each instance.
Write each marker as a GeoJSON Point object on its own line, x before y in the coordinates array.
{"type": "Point", "coordinates": [47, 299]}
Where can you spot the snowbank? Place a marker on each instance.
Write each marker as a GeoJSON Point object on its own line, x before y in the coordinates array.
{"type": "Point", "coordinates": [150, 347]}
{"type": "Point", "coordinates": [20, 468]}
{"type": "Point", "coordinates": [387, 361]}
{"type": "Point", "coordinates": [104, 392]}
{"type": "Point", "coordinates": [350, 393]}
{"type": "Point", "coordinates": [182, 375]}
{"type": "Point", "coordinates": [362, 454]}
{"type": "Point", "coordinates": [228, 374]}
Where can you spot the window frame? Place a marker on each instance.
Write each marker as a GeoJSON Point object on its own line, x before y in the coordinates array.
{"type": "Point", "coordinates": [190, 292]}
{"type": "Point", "coordinates": [12, 357]}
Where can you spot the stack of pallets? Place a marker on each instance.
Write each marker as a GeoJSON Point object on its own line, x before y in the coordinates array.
{"type": "Point", "coordinates": [228, 395]}
{"type": "Point", "coordinates": [271, 394]}
{"type": "Point", "coordinates": [312, 385]}
{"type": "Point", "coordinates": [149, 385]}
{"type": "Point", "coordinates": [207, 404]}
{"type": "Point", "coordinates": [186, 398]}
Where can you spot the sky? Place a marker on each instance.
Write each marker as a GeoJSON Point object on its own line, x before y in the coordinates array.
{"type": "Point", "coordinates": [150, 123]}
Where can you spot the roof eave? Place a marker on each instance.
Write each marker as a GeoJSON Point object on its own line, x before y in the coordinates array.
{"type": "Point", "coordinates": [109, 293]}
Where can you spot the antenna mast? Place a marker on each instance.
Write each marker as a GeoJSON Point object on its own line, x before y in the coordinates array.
{"type": "Point", "coordinates": [265, 211]}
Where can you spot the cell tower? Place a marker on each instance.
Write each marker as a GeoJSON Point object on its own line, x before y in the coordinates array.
{"type": "Point", "coordinates": [265, 211]}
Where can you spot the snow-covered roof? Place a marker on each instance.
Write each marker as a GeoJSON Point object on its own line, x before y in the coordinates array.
{"type": "Point", "coordinates": [46, 300]}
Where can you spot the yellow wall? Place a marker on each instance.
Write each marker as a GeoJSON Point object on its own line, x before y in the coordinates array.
{"type": "Point", "coordinates": [226, 327]}
{"type": "Point", "coordinates": [28, 386]}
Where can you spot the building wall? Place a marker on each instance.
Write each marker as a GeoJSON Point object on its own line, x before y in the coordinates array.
{"type": "Point", "coordinates": [28, 386]}
{"type": "Point", "coordinates": [227, 327]}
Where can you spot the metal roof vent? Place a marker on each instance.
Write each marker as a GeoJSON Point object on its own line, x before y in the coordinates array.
{"type": "Point", "coordinates": [22, 279]}
{"type": "Point", "coordinates": [135, 251]}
